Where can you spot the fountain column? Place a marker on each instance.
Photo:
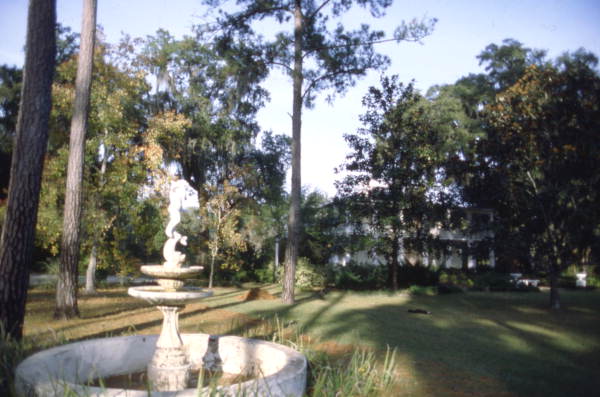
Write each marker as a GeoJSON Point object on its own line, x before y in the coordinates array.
{"type": "Point", "coordinates": [169, 369]}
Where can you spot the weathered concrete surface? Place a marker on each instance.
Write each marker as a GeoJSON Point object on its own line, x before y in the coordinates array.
{"type": "Point", "coordinates": [280, 370]}
{"type": "Point", "coordinates": [157, 296]}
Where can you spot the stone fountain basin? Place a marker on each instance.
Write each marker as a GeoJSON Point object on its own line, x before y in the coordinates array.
{"type": "Point", "coordinates": [157, 296]}
{"type": "Point", "coordinates": [180, 273]}
{"type": "Point", "coordinates": [279, 370]}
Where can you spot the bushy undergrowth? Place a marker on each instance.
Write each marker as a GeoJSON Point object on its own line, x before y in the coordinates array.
{"type": "Point", "coordinates": [417, 275]}
{"type": "Point", "coordinates": [423, 290]}
{"type": "Point", "coordinates": [308, 275]}
{"type": "Point", "coordinates": [11, 353]}
{"type": "Point", "coordinates": [454, 281]}
{"type": "Point", "coordinates": [457, 280]}
{"type": "Point", "coordinates": [357, 277]}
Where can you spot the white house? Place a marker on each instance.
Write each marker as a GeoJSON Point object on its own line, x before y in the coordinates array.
{"type": "Point", "coordinates": [464, 247]}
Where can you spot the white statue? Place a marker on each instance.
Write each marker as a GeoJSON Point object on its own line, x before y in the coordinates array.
{"type": "Point", "coordinates": [174, 258]}
{"type": "Point", "coordinates": [176, 197]}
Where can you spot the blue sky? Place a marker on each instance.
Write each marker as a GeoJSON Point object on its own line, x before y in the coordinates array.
{"type": "Point", "coordinates": [463, 31]}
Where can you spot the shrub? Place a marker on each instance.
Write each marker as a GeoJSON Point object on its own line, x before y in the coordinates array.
{"type": "Point", "coordinates": [242, 276]}
{"type": "Point", "coordinates": [492, 281]}
{"type": "Point", "coordinates": [358, 277]}
{"type": "Point", "coordinates": [421, 290]}
{"type": "Point", "coordinates": [593, 281]}
{"type": "Point", "coordinates": [308, 275]}
{"type": "Point", "coordinates": [416, 275]}
{"type": "Point", "coordinates": [454, 281]}
{"type": "Point", "coordinates": [449, 289]}
{"type": "Point", "coordinates": [264, 275]}
{"type": "Point", "coordinates": [11, 353]}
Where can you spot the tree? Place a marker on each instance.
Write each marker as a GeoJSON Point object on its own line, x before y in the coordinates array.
{"type": "Point", "coordinates": [395, 186]}
{"type": "Point", "coordinates": [504, 64]}
{"type": "Point", "coordinates": [66, 290]}
{"type": "Point", "coordinates": [213, 142]}
{"type": "Point", "coordinates": [112, 173]}
{"type": "Point", "coordinates": [17, 241]}
{"type": "Point", "coordinates": [219, 133]}
{"type": "Point", "coordinates": [221, 219]}
{"type": "Point", "coordinates": [339, 58]}
{"type": "Point", "coordinates": [541, 154]}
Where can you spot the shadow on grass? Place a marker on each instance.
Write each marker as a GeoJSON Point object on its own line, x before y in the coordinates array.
{"type": "Point", "coordinates": [475, 344]}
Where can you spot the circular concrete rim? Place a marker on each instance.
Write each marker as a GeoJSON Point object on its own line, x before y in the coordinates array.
{"type": "Point", "coordinates": [159, 271]}
{"type": "Point", "coordinates": [40, 374]}
{"type": "Point", "coordinates": [156, 295]}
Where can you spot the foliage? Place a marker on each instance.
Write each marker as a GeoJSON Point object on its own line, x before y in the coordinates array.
{"type": "Point", "coordinates": [10, 94]}
{"type": "Point", "coordinates": [395, 187]}
{"type": "Point", "coordinates": [210, 140]}
{"type": "Point", "coordinates": [265, 276]}
{"type": "Point", "coordinates": [309, 276]}
{"type": "Point", "coordinates": [321, 218]}
{"type": "Point", "coordinates": [541, 150]}
{"type": "Point", "coordinates": [536, 123]}
{"type": "Point", "coordinates": [11, 353]}
{"type": "Point", "coordinates": [421, 290]}
{"type": "Point", "coordinates": [221, 218]}
{"type": "Point", "coordinates": [493, 281]}
{"type": "Point", "coordinates": [454, 281]}
{"type": "Point", "coordinates": [417, 275]}
{"type": "Point", "coordinates": [316, 58]}
{"type": "Point", "coordinates": [114, 219]}
{"type": "Point", "coordinates": [358, 277]}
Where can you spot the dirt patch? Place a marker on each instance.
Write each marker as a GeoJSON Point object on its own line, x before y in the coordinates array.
{"type": "Point", "coordinates": [256, 294]}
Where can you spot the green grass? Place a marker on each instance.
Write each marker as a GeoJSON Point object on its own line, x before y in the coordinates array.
{"type": "Point", "coordinates": [472, 344]}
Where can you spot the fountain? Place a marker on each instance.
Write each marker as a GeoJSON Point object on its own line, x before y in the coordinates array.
{"type": "Point", "coordinates": [169, 369]}
{"type": "Point", "coordinates": [170, 358]}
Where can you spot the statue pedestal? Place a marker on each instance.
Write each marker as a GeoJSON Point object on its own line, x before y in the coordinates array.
{"type": "Point", "coordinates": [169, 369]}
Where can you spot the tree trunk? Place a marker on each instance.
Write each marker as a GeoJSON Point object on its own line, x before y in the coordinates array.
{"type": "Point", "coordinates": [212, 271]}
{"type": "Point", "coordinates": [90, 274]}
{"type": "Point", "coordinates": [394, 263]}
{"type": "Point", "coordinates": [276, 267]}
{"type": "Point", "coordinates": [554, 294]}
{"type": "Point", "coordinates": [17, 241]}
{"type": "Point", "coordinates": [289, 274]}
{"type": "Point", "coordinates": [66, 289]}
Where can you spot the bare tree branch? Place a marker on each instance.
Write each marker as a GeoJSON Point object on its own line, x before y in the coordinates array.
{"type": "Point", "coordinates": [319, 8]}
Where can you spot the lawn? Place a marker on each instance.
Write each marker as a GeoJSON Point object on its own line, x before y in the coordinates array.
{"type": "Point", "coordinates": [472, 344]}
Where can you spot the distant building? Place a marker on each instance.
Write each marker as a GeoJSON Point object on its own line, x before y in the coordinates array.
{"type": "Point", "coordinates": [466, 246]}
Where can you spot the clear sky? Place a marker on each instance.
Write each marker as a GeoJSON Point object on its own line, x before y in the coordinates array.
{"type": "Point", "coordinates": [463, 31]}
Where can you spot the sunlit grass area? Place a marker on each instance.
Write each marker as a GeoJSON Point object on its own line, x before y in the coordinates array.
{"type": "Point", "coordinates": [472, 344]}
